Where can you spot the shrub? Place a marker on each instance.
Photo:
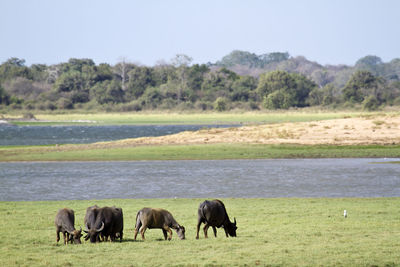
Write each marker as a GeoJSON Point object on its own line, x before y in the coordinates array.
{"type": "Point", "coordinates": [203, 105]}
{"type": "Point", "coordinates": [220, 104]}
{"type": "Point", "coordinates": [370, 103]}
{"type": "Point", "coordinates": [64, 103]}
{"type": "Point", "coordinates": [28, 116]}
{"type": "Point", "coordinates": [277, 100]}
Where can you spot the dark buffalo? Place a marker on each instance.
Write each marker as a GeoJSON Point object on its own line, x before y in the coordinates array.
{"type": "Point", "coordinates": [213, 213]}
{"type": "Point", "coordinates": [157, 218]}
{"type": "Point", "coordinates": [65, 223]}
{"type": "Point", "coordinates": [90, 217]}
{"type": "Point", "coordinates": [106, 222]}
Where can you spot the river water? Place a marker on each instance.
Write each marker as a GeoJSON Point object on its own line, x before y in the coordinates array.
{"type": "Point", "coordinates": [83, 134]}
{"type": "Point", "coordinates": [199, 179]}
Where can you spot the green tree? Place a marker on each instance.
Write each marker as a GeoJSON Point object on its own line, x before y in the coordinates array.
{"type": "Point", "coordinates": [303, 87]}
{"type": "Point", "coordinates": [152, 97]}
{"type": "Point", "coordinates": [370, 103]}
{"type": "Point", "coordinates": [238, 57]}
{"type": "Point", "coordinates": [108, 92]}
{"type": "Point", "coordinates": [103, 72]}
{"type": "Point", "coordinates": [277, 100]}
{"type": "Point", "coordinates": [316, 97]}
{"type": "Point", "coordinates": [243, 89]}
{"type": "Point", "coordinates": [220, 104]}
{"type": "Point", "coordinates": [273, 57]}
{"type": "Point", "coordinates": [182, 62]}
{"type": "Point", "coordinates": [12, 68]}
{"type": "Point", "coordinates": [370, 63]}
{"type": "Point", "coordinates": [330, 94]}
{"type": "Point", "coordinates": [39, 72]}
{"type": "Point", "coordinates": [275, 81]}
{"type": "Point", "coordinates": [293, 89]}
{"type": "Point", "coordinates": [139, 79]}
{"type": "Point", "coordinates": [4, 97]}
{"type": "Point", "coordinates": [361, 84]}
{"type": "Point", "coordinates": [217, 84]}
{"type": "Point", "coordinates": [69, 81]}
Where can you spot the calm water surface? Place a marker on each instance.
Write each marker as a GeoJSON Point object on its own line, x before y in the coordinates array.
{"type": "Point", "coordinates": [199, 179]}
{"type": "Point", "coordinates": [48, 135]}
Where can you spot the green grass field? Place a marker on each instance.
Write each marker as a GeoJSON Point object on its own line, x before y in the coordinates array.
{"type": "Point", "coordinates": [271, 232]}
{"type": "Point", "coordinates": [143, 118]}
{"type": "Point", "coordinates": [194, 152]}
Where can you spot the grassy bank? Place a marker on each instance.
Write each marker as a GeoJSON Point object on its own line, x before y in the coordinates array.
{"type": "Point", "coordinates": [142, 118]}
{"type": "Point", "coordinates": [276, 232]}
{"type": "Point", "coordinates": [194, 152]}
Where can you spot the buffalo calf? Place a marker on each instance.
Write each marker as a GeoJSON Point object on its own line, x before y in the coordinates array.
{"type": "Point", "coordinates": [65, 221]}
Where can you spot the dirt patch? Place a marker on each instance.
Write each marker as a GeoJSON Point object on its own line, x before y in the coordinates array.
{"type": "Point", "coordinates": [381, 130]}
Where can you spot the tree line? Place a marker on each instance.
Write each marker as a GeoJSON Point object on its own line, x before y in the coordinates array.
{"type": "Point", "coordinates": [241, 80]}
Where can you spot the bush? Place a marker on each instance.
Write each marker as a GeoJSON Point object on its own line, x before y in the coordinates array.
{"type": "Point", "coordinates": [396, 101]}
{"type": "Point", "coordinates": [185, 106]}
{"type": "Point", "coordinates": [64, 103]}
{"type": "Point", "coordinates": [370, 103]}
{"type": "Point", "coordinates": [220, 104]}
{"type": "Point", "coordinates": [168, 103]}
{"type": "Point", "coordinates": [203, 105]}
{"type": "Point", "coordinates": [277, 100]}
{"type": "Point", "coordinates": [28, 116]}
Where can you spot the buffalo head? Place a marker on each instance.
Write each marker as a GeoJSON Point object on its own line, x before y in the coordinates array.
{"type": "Point", "coordinates": [75, 236]}
{"type": "Point", "coordinates": [231, 228]}
{"type": "Point", "coordinates": [93, 234]}
{"type": "Point", "coordinates": [181, 232]}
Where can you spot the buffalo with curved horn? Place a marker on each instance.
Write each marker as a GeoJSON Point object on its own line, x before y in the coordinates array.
{"type": "Point", "coordinates": [103, 223]}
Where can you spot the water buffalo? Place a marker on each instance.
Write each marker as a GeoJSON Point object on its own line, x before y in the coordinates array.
{"type": "Point", "coordinates": [89, 221]}
{"type": "Point", "coordinates": [157, 218]}
{"type": "Point", "coordinates": [65, 223]}
{"type": "Point", "coordinates": [213, 213]}
{"type": "Point", "coordinates": [106, 222]}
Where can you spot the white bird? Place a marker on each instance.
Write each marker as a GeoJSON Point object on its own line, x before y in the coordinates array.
{"type": "Point", "coordinates": [345, 213]}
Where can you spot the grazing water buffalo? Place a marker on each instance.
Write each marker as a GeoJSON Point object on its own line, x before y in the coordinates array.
{"type": "Point", "coordinates": [213, 213]}
{"type": "Point", "coordinates": [106, 222]}
{"type": "Point", "coordinates": [157, 218]}
{"type": "Point", "coordinates": [65, 223]}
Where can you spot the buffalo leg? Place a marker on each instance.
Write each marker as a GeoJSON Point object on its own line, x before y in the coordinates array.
{"type": "Point", "coordinates": [65, 235]}
{"type": "Point", "coordinates": [165, 233]}
{"type": "Point", "coordinates": [226, 232]}
{"type": "Point", "coordinates": [205, 229]}
{"type": "Point", "coordinates": [120, 236]}
{"type": "Point", "coordinates": [166, 228]}
{"type": "Point", "coordinates": [142, 230]}
{"type": "Point", "coordinates": [198, 229]}
{"type": "Point", "coordinates": [58, 235]}
{"type": "Point", "coordinates": [137, 227]}
{"type": "Point", "coordinates": [215, 231]}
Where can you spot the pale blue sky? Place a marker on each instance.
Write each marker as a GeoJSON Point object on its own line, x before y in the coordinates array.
{"type": "Point", "coordinates": [329, 32]}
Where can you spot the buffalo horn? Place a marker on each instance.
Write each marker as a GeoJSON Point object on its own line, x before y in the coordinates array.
{"type": "Point", "coordinates": [101, 228]}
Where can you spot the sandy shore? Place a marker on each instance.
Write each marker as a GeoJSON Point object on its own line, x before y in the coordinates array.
{"type": "Point", "coordinates": [383, 130]}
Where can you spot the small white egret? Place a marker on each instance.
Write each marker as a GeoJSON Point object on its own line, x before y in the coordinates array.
{"type": "Point", "coordinates": [345, 213]}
